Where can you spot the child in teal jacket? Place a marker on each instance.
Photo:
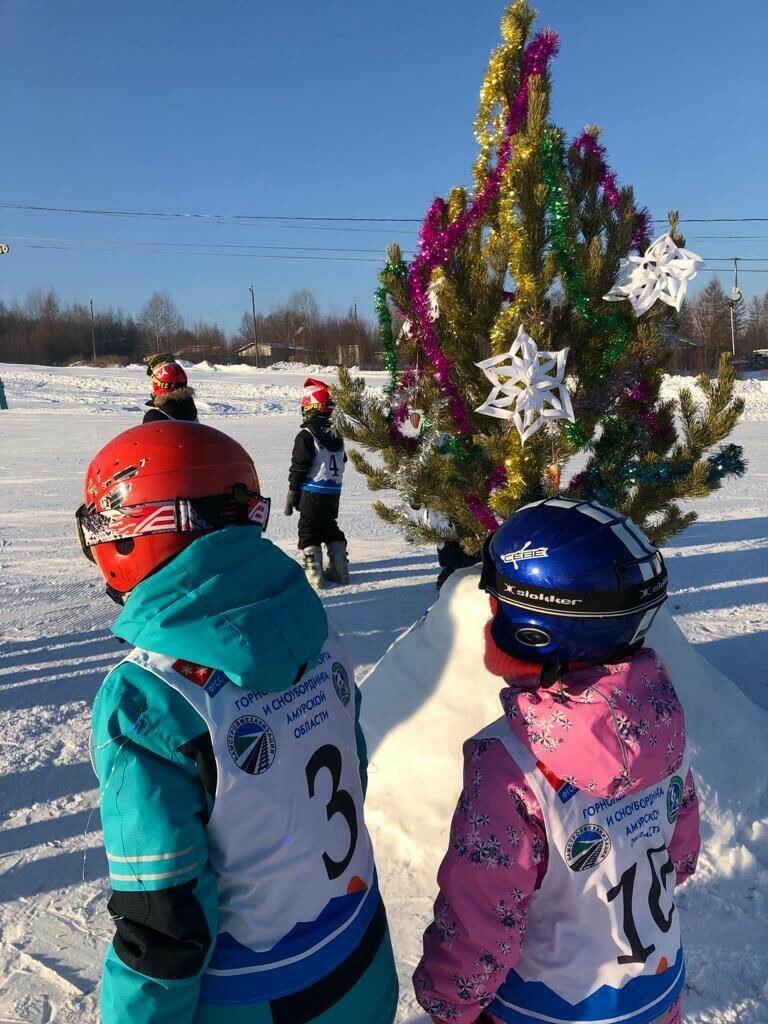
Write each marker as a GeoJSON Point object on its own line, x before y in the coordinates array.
{"type": "Point", "coordinates": [231, 765]}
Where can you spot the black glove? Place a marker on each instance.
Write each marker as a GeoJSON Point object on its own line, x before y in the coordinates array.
{"type": "Point", "coordinates": [291, 502]}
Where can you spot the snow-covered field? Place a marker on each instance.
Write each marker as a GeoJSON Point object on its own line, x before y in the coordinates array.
{"type": "Point", "coordinates": [55, 648]}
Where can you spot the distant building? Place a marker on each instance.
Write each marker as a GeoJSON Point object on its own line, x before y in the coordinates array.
{"type": "Point", "coordinates": [759, 360]}
{"type": "Point", "coordinates": [267, 352]}
{"type": "Point", "coordinates": [348, 355]}
{"type": "Point", "coordinates": [688, 356]}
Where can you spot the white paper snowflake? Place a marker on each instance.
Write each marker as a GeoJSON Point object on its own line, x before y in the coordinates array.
{"type": "Point", "coordinates": [662, 272]}
{"type": "Point", "coordinates": [528, 386]}
{"type": "Point", "coordinates": [406, 331]}
{"type": "Point", "coordinates": [435, 287]}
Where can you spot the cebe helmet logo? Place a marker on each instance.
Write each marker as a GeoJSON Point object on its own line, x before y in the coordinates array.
{"type": "Point", "coordinates": [525, 553]}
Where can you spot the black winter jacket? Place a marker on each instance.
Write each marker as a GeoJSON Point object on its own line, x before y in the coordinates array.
{"type": "Point", "coordinates": [303, 455]}
{"type": "Point", "coordinates": [176, 405]}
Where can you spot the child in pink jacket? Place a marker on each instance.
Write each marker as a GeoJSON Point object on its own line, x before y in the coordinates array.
{"type": "Point", "coordinates": [578, 815]}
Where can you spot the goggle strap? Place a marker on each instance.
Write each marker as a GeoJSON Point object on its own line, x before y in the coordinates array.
{"type": "Point", "coordinates": [182, 515]}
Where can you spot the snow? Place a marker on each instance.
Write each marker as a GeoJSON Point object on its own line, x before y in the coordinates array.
{"type": "Point", "coordinates": [55, 648]}
{"type": "Point", "coordinates": [433, 683]}
{"type": "Point", "coordinates": [753, 388]}
{"type": "Point", "coordinates": [236, 390]}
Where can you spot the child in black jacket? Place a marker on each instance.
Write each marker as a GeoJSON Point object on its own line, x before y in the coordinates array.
{"type": "Point", "coordinates": [314, 487]}
{"type": "Point", "coordinates": [172, 398]}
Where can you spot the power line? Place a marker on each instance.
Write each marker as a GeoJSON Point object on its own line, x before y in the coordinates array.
{"type": "Point", "coordinates": [278, 256]}
{"type": "Point", "coordinates": [130, 245]}
{"type": "Point", "coordinates": [282, 218]}
{"type": "Point", "coordinates": [174, 215]}
{"type": "Point", "coordinates": [194, 245]}
{"type": "Point", "coordinates": [714, 220]}
{"type": "Point", "coordinates": [218, 309]}
{"type": "Point", "coordinates": [726, 238]}
{"type": "Point", "coordinates": [181, 252]}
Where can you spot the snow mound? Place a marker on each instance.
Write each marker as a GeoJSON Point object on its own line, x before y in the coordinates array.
{"type": "Point", "coordinates": [305, 368]}
{"type": "Point", "coordinates": [431, 691]}
{"type": "Point", "coordinates": [753, 389]}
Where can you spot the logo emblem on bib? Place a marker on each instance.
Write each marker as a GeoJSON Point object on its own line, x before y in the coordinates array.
{"type": "Point", "coordinates": [252, 744]}
{"type": "Point", "coordinates": [674, 798]}
{"type": "Point", "coordinates": [198, 674]}
{"type": "Point", "coordinates": [341, 682]}
{"type": "Point", "coordinates": [587, 847]}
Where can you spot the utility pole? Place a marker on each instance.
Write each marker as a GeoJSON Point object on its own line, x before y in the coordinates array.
{"type": "Point", "coordinates": [255, 342]}
{"type": "Point", "coordinates": [734, 300]}
{"type": "Point", "coordinates": [93, 332]}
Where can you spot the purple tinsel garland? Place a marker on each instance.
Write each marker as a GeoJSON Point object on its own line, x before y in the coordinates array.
{"type": "Point", "coordinates": [606, 179]}
{"type": "Point", "coordinates": [400, 414]}
{"type": "Point", "coordinates": [649, 417]}
{"type": "Point", "coordinates": [496, 478]}
{"type": "Point", "coordinates": [481, 512]}
{"type": "Point", "coordinates": [436, 243]}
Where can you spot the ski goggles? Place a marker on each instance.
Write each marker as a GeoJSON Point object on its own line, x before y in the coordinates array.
{"type": "Point", "coordinates": [241, 507]}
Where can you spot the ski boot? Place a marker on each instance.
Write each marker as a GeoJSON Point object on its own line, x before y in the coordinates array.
{"type": "Point", "coordinates": [337, 570]}
{"type": "Point", "coordinates": [313, 566]}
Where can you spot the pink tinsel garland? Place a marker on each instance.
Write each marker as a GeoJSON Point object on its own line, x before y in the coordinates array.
{"type": "Point", "coordinates": [437, 243]}
{"type": "Point", "coordinates": [606, 179]}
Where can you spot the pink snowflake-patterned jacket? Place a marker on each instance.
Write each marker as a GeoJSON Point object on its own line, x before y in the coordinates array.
{"type": "Point", "coordinates": [609, 730]}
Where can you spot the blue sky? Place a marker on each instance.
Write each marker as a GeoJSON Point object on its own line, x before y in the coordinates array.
{"type": "Point", "coordinates": [346, 109]}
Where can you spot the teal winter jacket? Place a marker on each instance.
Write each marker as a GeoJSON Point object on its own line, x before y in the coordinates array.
{"type": "Point", "coordinates": [231, 602]}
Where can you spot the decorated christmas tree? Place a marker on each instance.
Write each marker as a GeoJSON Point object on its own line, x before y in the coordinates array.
{"type": "Point", "coordinates": [542, 286]}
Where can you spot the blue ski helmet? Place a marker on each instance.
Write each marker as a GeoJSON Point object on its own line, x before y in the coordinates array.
{"type": "Point", "coordinates": [574, 582]}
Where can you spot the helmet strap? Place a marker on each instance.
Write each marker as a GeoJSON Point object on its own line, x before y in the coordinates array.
{"type": "Point", "coordinates": [551, 673]}
{"type": "Point", "coordinates": [117, 596]}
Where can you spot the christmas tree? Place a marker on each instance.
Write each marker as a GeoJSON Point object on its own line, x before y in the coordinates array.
{"type": "Point", "coordinates": [517, 275]}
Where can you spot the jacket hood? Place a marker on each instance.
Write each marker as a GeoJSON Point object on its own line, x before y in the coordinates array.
{"type": "Point", "coordinates": [608, 729]}
{"type": "Point", "coordinates": [230, 601]}
{"type": "Point", "coordinates": [175, 395]}
{"type": "Point", "coordinates": [320, 425]}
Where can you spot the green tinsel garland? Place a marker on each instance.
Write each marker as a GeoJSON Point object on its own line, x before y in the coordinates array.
{"type": "Point", "coordinates": [611, 324]}
{"type": "Point", "coordinates": [384, 316]}
{"type": "Point", "coordinates": [574, 434]}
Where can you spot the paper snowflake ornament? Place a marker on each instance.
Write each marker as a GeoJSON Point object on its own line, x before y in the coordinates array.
{"type": "Point", "coordinates": [528, 386]}
{"type": "Point", "coordinates": [433, 292]}
{"type": "Point", "coordinates": [662, 272]}
{"type": "Point", "coordinates": [406, 331]}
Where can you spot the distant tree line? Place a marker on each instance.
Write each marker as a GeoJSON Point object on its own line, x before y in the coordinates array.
{"type": "Point", "coordinates": [705, 329]}
{"type": "Point", "coordinates": [42, 329]}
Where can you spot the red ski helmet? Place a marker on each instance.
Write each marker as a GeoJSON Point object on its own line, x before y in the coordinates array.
{"type": "Point", "coordinates": [316, 396]}
{"type": "Point", "coordinates": [155, 488]}
{"type": "Point", "coordinates": [167, 377]}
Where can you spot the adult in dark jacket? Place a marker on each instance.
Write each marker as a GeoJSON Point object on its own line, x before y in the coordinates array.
{"type": "Point", "coordinates": [172, 398]}
{"type": "Point", "coordinates": [314, 487]}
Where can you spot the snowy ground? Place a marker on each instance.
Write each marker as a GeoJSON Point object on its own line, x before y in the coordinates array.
{"type": "Point", "coordinates": [55, 648]}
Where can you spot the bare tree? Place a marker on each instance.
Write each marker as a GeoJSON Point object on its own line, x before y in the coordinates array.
{"type": "Point", "coordinates": [43, 304]}
{"type": "Point", "coordinates": [160, 319]}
